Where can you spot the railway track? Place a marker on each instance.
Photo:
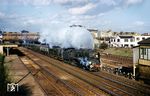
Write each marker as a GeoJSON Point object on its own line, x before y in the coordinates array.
{"type": "Point", "coordinates": [116, 86]}
{"type": "Point", "coordinates": [77, 86]}
{"type": "Point", "coordinates": [142, 88]}
{"type": "Point", "coordinates": [108, 86]}
{"type": "Point", "coordinates": [47, 84]}
{"type": "Point", "coordinates": [125, 81]}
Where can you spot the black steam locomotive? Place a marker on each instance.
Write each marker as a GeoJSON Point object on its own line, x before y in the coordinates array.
{"type": "Point", "coordinates": [83, 58]}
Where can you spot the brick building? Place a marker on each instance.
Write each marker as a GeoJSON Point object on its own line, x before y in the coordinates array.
{"type": "Point", "coordinates": [20, 37]}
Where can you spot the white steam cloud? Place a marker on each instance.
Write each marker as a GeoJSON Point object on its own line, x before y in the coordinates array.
{"type": "Point", "coordinates": [76, 37]}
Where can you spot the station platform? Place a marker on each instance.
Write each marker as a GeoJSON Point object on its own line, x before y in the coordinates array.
{"type": "Point", "coordinates": [21, 75]}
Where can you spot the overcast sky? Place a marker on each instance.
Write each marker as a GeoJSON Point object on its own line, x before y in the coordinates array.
{"type": "Point", "coordinates": [52, 15]}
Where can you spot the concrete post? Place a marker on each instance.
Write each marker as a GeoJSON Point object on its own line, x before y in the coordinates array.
{"type": "Point", "coordinates": [135, 59]}
{"type": "Point", "coordinates": [7, 51]}
{"type": "Point", "coordinates": [134, 67]}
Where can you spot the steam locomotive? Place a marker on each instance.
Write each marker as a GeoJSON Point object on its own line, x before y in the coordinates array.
{"type": "Point", "coordinates": [83, 58]}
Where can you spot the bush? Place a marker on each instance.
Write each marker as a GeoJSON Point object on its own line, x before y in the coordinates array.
{"type": "Point", "coordinates": [103, 46]}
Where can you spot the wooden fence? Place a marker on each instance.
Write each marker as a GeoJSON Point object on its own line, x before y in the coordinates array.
{"type": "Point", "coordinates": [122, 60]}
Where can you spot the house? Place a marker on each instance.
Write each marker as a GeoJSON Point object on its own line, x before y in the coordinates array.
{"type": "Point", "coordinates": [141, 60]}
{"type": "Point", "coordinates": [94, 33]}
{"type": "Point", "coordinates": [109, 36]}
{"type": "Point", "coordinates": [126, 41]}
{"type": "Point", "coordinates": [106, 34]}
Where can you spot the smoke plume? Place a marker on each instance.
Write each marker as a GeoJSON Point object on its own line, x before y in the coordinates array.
{"type": "Point", "coordinates": [76, 37]}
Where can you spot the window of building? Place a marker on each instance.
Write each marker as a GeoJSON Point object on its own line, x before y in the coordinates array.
{"type": "Point", "coordinates": [131, 40]}
{"type": "Point", "coordinates": [114, 40]}
{"type": "Point", "coordinates": [125, 40]}
{"type": "Point", "coordinates": [145, 53]}
{"type": "Point", "coordinates": [118, 40]}
{"type": "Point", "coordinates": [143, 38]}
{"type": "Point", "coordinates": [126, 45]}
{"type": "Point", "coordinates": [137, 38]}
{"type": "Point", "coordinates": [142, 53]}
{"type": "Point", "coordinates": [4, 34]}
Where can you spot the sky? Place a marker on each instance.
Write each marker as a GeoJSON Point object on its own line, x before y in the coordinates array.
{"type": "Point", "coordinates": [55, 15]}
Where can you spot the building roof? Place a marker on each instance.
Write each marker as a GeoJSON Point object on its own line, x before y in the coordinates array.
{"type": "Point", "coordinates": [76, 25]}
{"type": "Point", "coordinates": [92, 30]}
{"type": "Point", "coordinates": [145, 41]}
{"type": "Point", "coordinates": [145, 34]}
{"type": "Point", "coordinates": [24, 31]}
{"type": "Point", "coordinates": [126, 36]}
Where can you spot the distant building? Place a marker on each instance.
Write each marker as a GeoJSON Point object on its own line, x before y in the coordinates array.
{"type": "Point", "coordinates": [141, 60]}
{"type": "Point", "coordinates": [94, 33]}
{"type": "Point", "coordinates": [1, 36]}
{"type": "Point", "coordinates": [20, 36]}
{"type": "Point", "coordinates": [106, 34]}
{"type": "Point", "coordinates": [108, 37]}
{"type": "Point", "coordinates": [117, 39]}
{"type": "Point", "coordinates": [145, 34]}
{"type": "Point", "coordinates": [126, 41]}
{"type": "Point", "coordinates": [128, 33]}
{"type": "Point", "coordinates": [110, 33]}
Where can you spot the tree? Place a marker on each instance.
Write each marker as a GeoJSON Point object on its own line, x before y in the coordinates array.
{"type": "Point", "coordinates": [104, 45]}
